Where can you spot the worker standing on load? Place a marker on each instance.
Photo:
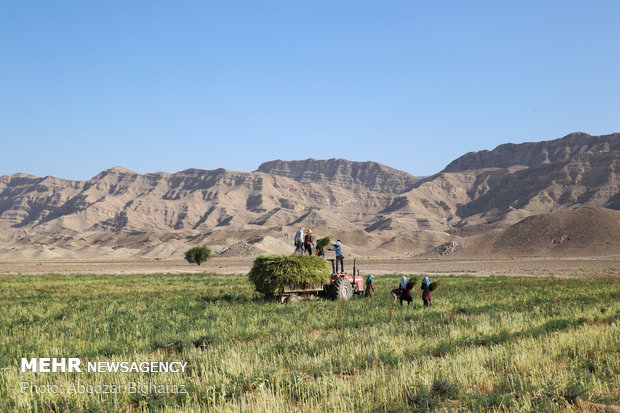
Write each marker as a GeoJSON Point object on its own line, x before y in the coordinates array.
{"type": "Point", "coordinates": [339, 258]}
{"type": "Point", "coordinates": [308, 242]}
{"type": "Point", "coordinates": [299, 240]}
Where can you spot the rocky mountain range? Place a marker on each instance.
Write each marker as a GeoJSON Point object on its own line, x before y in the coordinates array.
{"type": "Point", "coordinates": [373, 208]}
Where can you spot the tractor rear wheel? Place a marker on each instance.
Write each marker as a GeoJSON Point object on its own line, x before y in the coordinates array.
{"type": "Point", "coordinates": [341, 289]}
{"type": "Point", "coordinates": [293, 298]}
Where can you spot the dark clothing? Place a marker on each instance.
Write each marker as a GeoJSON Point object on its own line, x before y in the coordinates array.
{"type": "Point", "coordinates": [299, 246]}
{"type": "Point", "coordinates": [396, 293]}
{"type": "Point", "coordinates": [308, 244]}
{"type": "Point", "coordinates": [405, 295]}
{"type": "Point", "coordinates": [339, 260]}
{"type": "Point", "coordinates": [426, 297]}
{"type": "Point", "coordinates": [338, 249]}
{"type": "Point", "coordinates": [370, 290]}
{"type": "Point", "coordinates": [320, 252]}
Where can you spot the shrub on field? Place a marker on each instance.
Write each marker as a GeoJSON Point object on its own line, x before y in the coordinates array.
{"type": "Point", "coordinates": [389, 358]}
{"type": "Point", "coordinates": [444, 388]}
{"type": "Point", "coordinates": [575, 390]}
{"type": "Point", "coordinates": [421, 399]}
{"type": "Point", "coordinates": [271, 272]}
{"type": "Point", "coordinates": [174, 345]}
{"type": "Point", "coordinates": [198, 254]}
{"type": "Point", "coordinates": [153, 401]}
{"type": "Point", "coordinates": [442, 349]}
{"type": "Point", "coordinates": [205, 341]}
{"type": "Point", "coordinates": [488, 401]}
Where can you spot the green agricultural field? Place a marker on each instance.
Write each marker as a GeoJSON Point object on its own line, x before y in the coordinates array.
{"type": "Point", "coordinates": [487, 344]}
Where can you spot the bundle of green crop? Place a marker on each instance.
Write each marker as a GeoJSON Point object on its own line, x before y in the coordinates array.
{"type": "Point", "coordinates": [434, 285]}
{"type": "Point", "coordinates": [413, 281]}
{"type": "Point", "coordinates": [323, 242]}
{"type": "Point", "coordinates": [271, 273]}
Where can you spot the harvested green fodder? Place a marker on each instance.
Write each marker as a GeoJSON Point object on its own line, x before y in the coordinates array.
{"type": "Point", "coordinates": [270, 272]}
{"type": "Point", "coordinates": [434, 285]}
{"type": "Point", "coordinates": [411, 282]}
{"type": "Point", "coordinates": [323, 242]}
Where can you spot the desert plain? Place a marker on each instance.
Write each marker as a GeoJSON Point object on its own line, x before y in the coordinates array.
{"type": "Point", "coordinates": [580, 267]}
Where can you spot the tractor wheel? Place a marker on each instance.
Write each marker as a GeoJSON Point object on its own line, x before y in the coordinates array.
{"type": "Point", "coordinates": [293, 298]}
{"type": "Point", "coordinates": [341, 289]}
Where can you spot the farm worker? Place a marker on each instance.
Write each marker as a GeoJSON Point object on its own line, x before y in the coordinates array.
{"type": "Point", "coordinates": [370, 289]}
{"type": "Point", "coordinates": [405, 295]}
{"type": "Point", "coordinates": [299, 240]}
{"type": "Point", "coordinates": [308, 242]}
{"type": "Point", "coordinates": [426, 292]}
{"type": "Point", "coordinates": [320, 252]}
{"type": "Point", "coordinates": [338, 249]}
{"type": "Point", "coordinates": [396, 292]}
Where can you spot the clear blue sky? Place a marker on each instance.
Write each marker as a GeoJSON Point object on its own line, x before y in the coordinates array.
{"type": "Point", "coordinates": [170, 85]}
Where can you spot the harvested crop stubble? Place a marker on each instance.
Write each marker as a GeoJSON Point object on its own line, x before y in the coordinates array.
{"type": "Point", "coordinates": [271, 272]}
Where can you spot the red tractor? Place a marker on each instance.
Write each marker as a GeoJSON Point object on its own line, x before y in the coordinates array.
{"type": "Point", "coordinates": [342, 286]}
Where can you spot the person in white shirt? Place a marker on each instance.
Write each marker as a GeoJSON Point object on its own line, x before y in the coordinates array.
{"type": "Point", "coordinates": [299, 240]}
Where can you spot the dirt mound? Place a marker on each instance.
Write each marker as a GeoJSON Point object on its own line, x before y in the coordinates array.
{"type": "Point", "coordinates": [241, 249]}
{"type": "Point", "coordinates": [592, 231]}
{"type": "Point", "coordinates": [165, 250]}
{"type": "Point", "coordinates": [414, 242]}
{"type": "Point", "coordinates": [448, 248]}
{"type": "Point", "coordinates": [273, 245]}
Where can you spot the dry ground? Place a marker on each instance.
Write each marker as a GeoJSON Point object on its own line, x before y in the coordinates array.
{"type": "Point", "coordinates": [520, 266]}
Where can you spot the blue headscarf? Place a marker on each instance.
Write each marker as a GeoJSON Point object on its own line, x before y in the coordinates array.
{"type": "Point", "coordinates": [403, 282]}
{"type": "Point", "coordinates": [426, 282]}
{"type": "Point", "coordinates": [369, 279]}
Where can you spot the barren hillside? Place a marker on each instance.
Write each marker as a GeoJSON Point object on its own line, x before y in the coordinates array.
{"type": "Point", "coordinates": [374, 209]}
{"type": "Point", "coordinates": [579, 233]}
{"type": "Point", "coordinates": [512, 182]}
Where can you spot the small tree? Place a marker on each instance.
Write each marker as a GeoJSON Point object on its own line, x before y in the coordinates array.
{"type": "Point", "coordinates": [198, 254]}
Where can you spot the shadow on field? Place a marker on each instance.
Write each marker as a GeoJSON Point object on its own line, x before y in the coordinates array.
{"type": "Point", "coordinates": [232, 298]}
{"type": "Point", "coordinates": [529, 304]}
{"type": "Point", "coordinates": [176, 345]}
{"type": "Point", "coordinates": [551, 326]}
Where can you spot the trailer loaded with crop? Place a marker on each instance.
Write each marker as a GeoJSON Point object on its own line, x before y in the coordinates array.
{"type": "Point", "coordinates": [295, 277]}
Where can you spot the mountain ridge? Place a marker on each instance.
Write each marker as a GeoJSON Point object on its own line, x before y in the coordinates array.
{"type": "Point", "coordinates": [378, 208]}
{"type": "Point", "coordinates": [533, 153]}
{"type": "Point", "coordinates": [373, 175]}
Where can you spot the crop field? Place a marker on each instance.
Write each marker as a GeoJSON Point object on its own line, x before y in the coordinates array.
{"type": "Point", "coordinates": [487, 344]}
